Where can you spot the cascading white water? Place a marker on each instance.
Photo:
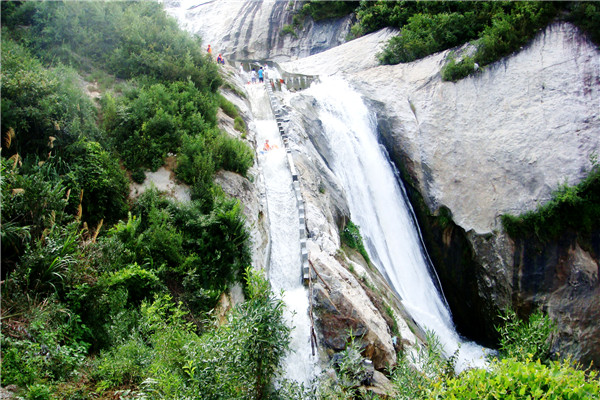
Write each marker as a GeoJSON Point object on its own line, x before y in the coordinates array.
{"type": "Point", "coordinates": [285, 265]}
{"type": "Point", "coordinates": [378, 206]}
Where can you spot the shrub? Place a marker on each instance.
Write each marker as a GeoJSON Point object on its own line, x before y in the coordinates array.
{"type": "Point", "coordinates": [33, 201]}
{"type": "Point", "coordinates": [241, 358]}
{"type": "Point", "coordinates": [510, 378]}
{"type": "Point", "coordinates": [454, 71]}
{"type": "Point", "coordinates": [154, 120]}
{"type": "Point", "coordinates": [523, 340]}
{"type": "Point", "coordinates": [416, 373]}
{"type": "Point", "coordinates": [239, 125]}
{"type": "Point", "coordinates": [47, 265]}
{"type": "Point", "coordinates": [320, 10]}
{"type": "Point", "coordinates": [139, 282]}
{"type": "Point", "coordinates": [425, 34]}
{"type": "Point", "coordinates": [45, 107]}
{"type": "Point", "coordinates": [130, 39]}
{"type": "Point", "coordinates": [104, 184]}
{"type": "Point", "coordinates": [44, 346]}
{"type": "Point", "coordinates": [352, 238]}
{"type": "Point", "coordinates": [228, 107]}
{"type": "Point", "coordinates": [138, 176]}
{"type": "Point", "coordinates": [586, 15]}
{"type": "Point", "coordinates": [232, 154]}
{"type": "Point", "coordinates": [289, 30]}
{"type": "Point", "coordinates": [124, 364]}
{"type": "Point", "coordinates": [428, 27]}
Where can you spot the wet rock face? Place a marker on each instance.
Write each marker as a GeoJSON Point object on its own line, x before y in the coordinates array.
{"type": "Point", "coordinates": [344, 310]}
{"type": "Point", "coordinates": [562, 277]}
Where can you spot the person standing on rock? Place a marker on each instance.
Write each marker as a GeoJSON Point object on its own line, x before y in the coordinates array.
{"type": "Point", "coordinates": [253, 75]}
{"type": "Point", "coordinates": [261, 75]}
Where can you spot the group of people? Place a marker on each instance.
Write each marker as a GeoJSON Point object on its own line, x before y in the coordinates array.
{"type": "Point", "coordinates": [254, 75]}
{"type": "Point", "coordinates": [220, 59]}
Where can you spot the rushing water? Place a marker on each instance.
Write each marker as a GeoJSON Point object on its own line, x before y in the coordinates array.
{"type": "Point", "coordinates": [285, 265]}
{"type": "Point", "coordinates": [378, 205]}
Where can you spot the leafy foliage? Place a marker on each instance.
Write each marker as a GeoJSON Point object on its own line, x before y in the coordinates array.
{"type": "Point", "coordinates": [320, 10]}
{"type": "Point", "coordinates": [586, 15]}
{"type": "Point", "coordinates": [150, 122]}
{"type": "Point", "coordinates": [71, 290]}
{"type": "Point", "coordinates": [525, 340]}
{"type": "Point", "coordinates": [454, 71]}
{"type": "Point", "coordinates": [575, 208]}
{"type": "Point", "coordinates": [510, 378]}
{"type": "Point", "coordinates": [497, 28]}
{"type": "Point", "coordinates": [44, 344]}
{"type": "Point", "coordinates": [97, 174]}
{"type": "Point", "coordinates": [417, 373]}
{"type": "Point", "coordinates": [352, 238]}
{"type": "Point", "coordinates": [129, 38]}
{"type": "Point", "coordinates": [45, 108]}
{"type": "Point", "coordinates": [170, 360]}
{"type": "Point", "coordinates": [518, 374]}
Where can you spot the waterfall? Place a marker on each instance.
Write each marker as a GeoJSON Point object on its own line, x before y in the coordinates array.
{"type": "Point", "coordinates": [378, 205]}
{"type": "Point", "coordinates": [286, 265]}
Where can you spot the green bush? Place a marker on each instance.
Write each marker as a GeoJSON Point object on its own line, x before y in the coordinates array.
{"type": "Point", "coordinates": [239, 125]}
{"type": "Point", "coordinates": [138, 175]}
{"type": "Point", "coordinates": [104, 184]}
{"type": "Point", "coordinates": [427, 27]}
{"type": "Point", "coordinates": [124, 364]}
{"type": "Point", "coordinates": [352, 238]}
{"type": "Point", "coordinates": [232, 154]}
{"type": "Point", "coordinates": [523, 340]}
{"type": "Point", "coordinates": [320, 10]}
{"type": "Point", "coordinates": [129, 38]}
{"type": "Point", "coordinates": [45, 108]}
{"type": "Point", "coordinates": [426, 34]}
{"type": "Point", "coordinates": [155, 119]}
{"type": "Point", "coordinates": [514, 379]}
{"type": "Point", "coordinates": [45, 346]}
{"type": "Point", "coordinates": [49, 262]}
{"type": "Point", "coordinates": [416, 373]}
{"type": "Point", "coordinates": [586, 15]}
{"type": "Point", "coordinates": [289, 30]}
{"type": "Point", "coordinates": [241, 359]}
{"type": "Point", "coordinates": [34, 197]}
{"type": "Point", "coordinates": [139, 282]}
{"type": "Point", "coordinates": [228, 107]}
{"type": "Point", "coordinates": [454, 71]}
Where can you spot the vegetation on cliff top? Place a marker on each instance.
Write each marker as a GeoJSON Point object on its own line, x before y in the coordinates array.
{"type": "Point", "coordinates": [495, 28]}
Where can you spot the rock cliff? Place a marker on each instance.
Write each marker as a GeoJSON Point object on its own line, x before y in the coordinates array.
{"type": "Point", "coordinates": [498, 142]}
{"type": "Point", "coordinates": [254, 30]}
